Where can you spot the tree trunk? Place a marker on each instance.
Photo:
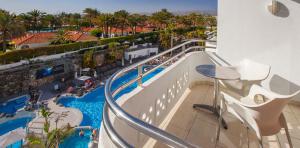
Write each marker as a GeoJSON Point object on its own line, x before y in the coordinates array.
{"type": "Point", "coordinates": [4, 41]}
{"type": "Point", "coordinates": [110, 31]}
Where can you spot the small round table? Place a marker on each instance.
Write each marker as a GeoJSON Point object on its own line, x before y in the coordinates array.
{"type": "Point", "coordinates": [217, 73]}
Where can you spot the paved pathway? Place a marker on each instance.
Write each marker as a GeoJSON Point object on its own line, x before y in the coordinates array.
{"type": "Point", "coordinates": [71, 115]}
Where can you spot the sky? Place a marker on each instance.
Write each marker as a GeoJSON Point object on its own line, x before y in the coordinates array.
{"type": "Point", "coordinates": [57, 6]}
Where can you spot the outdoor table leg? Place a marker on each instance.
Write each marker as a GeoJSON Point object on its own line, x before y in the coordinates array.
{"type": "Point", "coordinates": [215, 109]}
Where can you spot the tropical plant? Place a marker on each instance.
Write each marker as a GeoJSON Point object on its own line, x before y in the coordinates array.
{"type": "Point", "coordinates": [53, 137]}
{"type": "Point", "coordinates": [36, 17]}
{"type": "Point", "coordinates": [211, 21]}
{"type": "Point", "coordinates": [135, 20]}
{"type": "Point", "coordinates": [88, 60]}
{"type": "Point", "coordinates": [9, 27]}
{"type": "Point", "coordinates": [90, 14]}
{"type": "Point", "coordinates": [161, 18]}
{"type": "Point", "coordinates": [105, 21]}
{"type": "Point", "coordinates": [74, 20]}
{"type": "Point", "coordinates": [166, 37]}
{"type": "Point", "coordinates": [121, 19]}
{"type": "Point", "coordinates": [51, 21]}
{"type": "Point", "coordinates": [96, 32]}
{"type": "Point", "coordinates": [46, 114]}
{"type": "Point", "coordinates": [61, 38]}
{"type": "Point", "coordinates": [25, 20]}
{"type": "Point", "coordinates": [112, 54]}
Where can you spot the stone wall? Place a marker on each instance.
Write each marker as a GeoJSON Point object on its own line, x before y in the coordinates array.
{"type": "Point", "coordinates": [16, 81]}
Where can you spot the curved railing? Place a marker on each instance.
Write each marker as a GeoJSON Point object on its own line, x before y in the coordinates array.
{"type": "Point", "coordinates": [137, 124]}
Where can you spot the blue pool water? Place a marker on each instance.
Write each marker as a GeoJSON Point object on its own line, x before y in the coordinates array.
{"type": "Point", "coordinates": [76, 141]}
{"type": "Point", "coordinates": [14, 124]}
{"type": "Point", "coordinates": [11, 107]}
{"type": "Point", "coordinates": [91, 105]}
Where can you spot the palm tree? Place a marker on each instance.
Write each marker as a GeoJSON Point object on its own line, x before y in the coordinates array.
{"type": "Point", "coordinates": [133, 21]}
{"type": "Point", "coordinates": [122, 19]}
{"type": "Point", "coordinates": [36, 19]}
{"type": "Point", "coordinates": [51, 21]}
{"type": "Point", "coordinates": [211, 21]}
{"type": "Point", "coordinates": [105, 21]}
{"type": "Point", "coordinates": [166, 37]}
{"type": "Point", "coordinates": [46, 114]}
{"type": "Point", "coordinates": [61, 37]}
{"type": "Point", "coordinates": [53, 137]}
{"type": "Point", "coordinates": [162, 18]}
{"type": "Point", "coordinates": [9, 27]}
{"type": "Point", "coordinates": [75, 20]}
{"type": "Point", "coordinates": [184, 20]}
{"type": "Point", "coordinates": [25, 20]}
{"type": "Point", "coordinates": [90, 14]}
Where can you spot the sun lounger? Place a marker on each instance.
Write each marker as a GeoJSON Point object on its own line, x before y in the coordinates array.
{"type": "Point", "coordinates": [2, 115]}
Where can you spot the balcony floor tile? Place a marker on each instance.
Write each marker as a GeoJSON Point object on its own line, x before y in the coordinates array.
{"type": "Point", "coordinates": [199, 127]}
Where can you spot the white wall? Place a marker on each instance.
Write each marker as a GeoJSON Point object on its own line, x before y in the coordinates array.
{"type": "Point", "coordinates": [246, 29]}
{"type": "Point", "coordinates": [35, 45]}
{"type": "Point", "coordinates": [141, 52]}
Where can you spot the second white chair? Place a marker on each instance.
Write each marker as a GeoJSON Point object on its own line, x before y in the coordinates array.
{"type": "Point", "coordinates": [265, 118]}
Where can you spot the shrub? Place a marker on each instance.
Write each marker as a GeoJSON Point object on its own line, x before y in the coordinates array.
{"type": "Point", "coordinates": [96, 32]}
{"type": "Point", "coordinates": [130, 38]}
{"type": "Point", "coordinates": [17, 55]}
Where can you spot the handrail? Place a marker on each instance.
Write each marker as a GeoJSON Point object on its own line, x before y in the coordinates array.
{"type": "Point", "coordinates": [132, 121]}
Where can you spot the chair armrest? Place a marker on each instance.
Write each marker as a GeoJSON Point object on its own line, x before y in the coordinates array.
{"type": "Point", "coordinates": [255, 90]}
{"type": "Point", "coordinates": [242, 112]}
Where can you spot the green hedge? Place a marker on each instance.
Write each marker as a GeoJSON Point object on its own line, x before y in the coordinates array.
{"type": "Point", "coordinates": [17, 55]}
{"type": "Point", "coordinates": [129, 38]}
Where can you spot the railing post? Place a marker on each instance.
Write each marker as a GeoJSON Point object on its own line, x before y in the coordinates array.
{"type": "Point", "coordinates": [140, 75]}
{"type": "Point", "coordinates": [183, 49]}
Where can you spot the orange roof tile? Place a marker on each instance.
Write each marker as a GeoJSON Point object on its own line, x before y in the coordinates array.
{"type": "Point", "coordinates": [42, 37]}
{"type": "Point", "coordinates": [77, 36]}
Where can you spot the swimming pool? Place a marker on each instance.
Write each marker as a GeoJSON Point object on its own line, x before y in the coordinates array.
{"type": "Point", "coordinates": [11, 107]}
{"type": "Point", "coordinates": [91, 105]}
{"type": "Point", "coordinates": [14, 124]}
{"type": "Point", "coordinates": [76, 141]}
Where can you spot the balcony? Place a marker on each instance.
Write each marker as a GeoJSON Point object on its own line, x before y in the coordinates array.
{"type": "Point", "coordinates": [159, 112]}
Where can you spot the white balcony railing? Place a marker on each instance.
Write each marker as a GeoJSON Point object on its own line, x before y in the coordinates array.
{"type": "Point", "coordinates": [139, 116]}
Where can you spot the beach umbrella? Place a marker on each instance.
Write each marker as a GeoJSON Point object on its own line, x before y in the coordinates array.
{"type": "Point", "coordinates": [126, 42]}
{"type": "Point", "coordinates": [139, 39]}
{"type": "Point", "coordinates": [12, 137]}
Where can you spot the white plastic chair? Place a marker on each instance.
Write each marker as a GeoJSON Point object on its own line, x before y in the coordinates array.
{"type": "Point", "coordinates": [251, 73]}
{"type": "Point", "coordinates": [266, 118]}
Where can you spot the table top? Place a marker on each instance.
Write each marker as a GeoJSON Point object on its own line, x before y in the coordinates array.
{"type": "Point", "coordinates": [218, 72]}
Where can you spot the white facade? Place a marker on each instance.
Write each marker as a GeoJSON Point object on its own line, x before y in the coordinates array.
{"type": "Point", "coordinates": [246, 29]}
{"type": "Point", "coordinates": [140, 53]}
{"type": "Point", "coordinates": [34, 45]}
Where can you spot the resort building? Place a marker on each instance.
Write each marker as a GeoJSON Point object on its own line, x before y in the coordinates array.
{"type": "Point", "coordinates": [139, 51]}
{"type": "Point", "coordinates": [41, 39]}
{"type": "Point", "coordinates": [44, 39]}
{"type": "Point", "coordinates": [239, 87]}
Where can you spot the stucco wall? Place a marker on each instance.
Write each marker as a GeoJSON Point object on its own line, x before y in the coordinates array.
{"type": "Point", "coordinates": [169, 85]}
{"type": "Point", "coordinates": [140, 53]}
{"type": "Point", "coordinates": [246, 29]}
{"type": "Point", "coordinates": [33, 45]}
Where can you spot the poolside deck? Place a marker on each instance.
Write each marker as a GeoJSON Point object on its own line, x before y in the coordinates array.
{"type": "Point", "coordinates": [71, 115]}
{"type": "Point", "coordinates": [199, 127]}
